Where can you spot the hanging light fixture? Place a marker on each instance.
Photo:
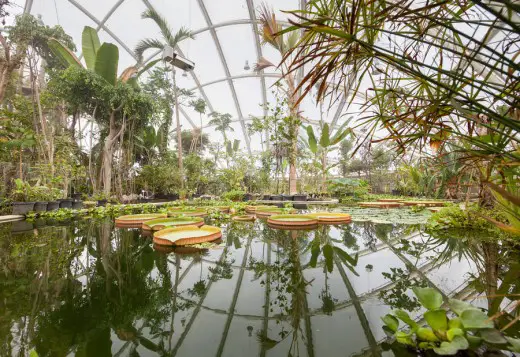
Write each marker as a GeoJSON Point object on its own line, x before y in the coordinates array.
{"type": "Point", "coordinates": [185, 74]}
{"type": "Point", "coordinates": [246, 66]}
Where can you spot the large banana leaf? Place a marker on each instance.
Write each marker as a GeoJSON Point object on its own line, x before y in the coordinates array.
{"type": "Point", "coordinates": [64, 55]}
{"type": "Point", "coordinates": [341, 133]}
{"type": "Point", "coordinates": [90, 46]}
{"type": "Point", "coordinates": [313, 145]}
{"type": "Point", "coordinates": [325, 136]}
{"type": "Point", "coordinates": [107, 59]}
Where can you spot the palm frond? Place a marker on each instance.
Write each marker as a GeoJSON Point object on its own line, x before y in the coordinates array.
{"type": "Point", "coordinates": [164, 27]}
{"type": "Point", "coordinates": [270, 28]}
{"type": "Point", "coordinates": [146, 44]}
{"type": "Point", "coordinates": [181, 35]}
{"type": "Point", "coordinates": [262, 64]}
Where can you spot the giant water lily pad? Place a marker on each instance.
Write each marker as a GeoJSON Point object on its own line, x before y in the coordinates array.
{"type": "Point", "coordinates": [185, 235]}
{"type": "Point", "coordinates": [380, 204]}
{"type": "Point", "coordinates": [188, 213]}
{"type": "Point", "coordinates": [424, 203]}
{"type": "Point", "coordinates": [136, 220]}
{"type": "Point", "coordinates": [331, 217]}
{"type": "Point", "coordinates": [292, 220]}
{"type": "Point", "coordinates": [270, 211]}
{"type": "Point", "coordinates": [395, 216]}
{"type": "Point", "coordinates": [162, 223]}
{"type": "Point", "coordinates": [244, 218]}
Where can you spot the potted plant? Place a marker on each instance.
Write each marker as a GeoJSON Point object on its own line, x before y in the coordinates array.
{"type": "Point", "coordinates": [101, 199]}
{"type": "Point", "coordinates": [41, 197]}
{"type": "Point", "coordinates": [65, 202]}
{"type": "Point", "coordinates": [21, 197]}
{"type": "Point", "coordinates": [77, 204]}
{"type": "Point", "coordinates": [300, 197]}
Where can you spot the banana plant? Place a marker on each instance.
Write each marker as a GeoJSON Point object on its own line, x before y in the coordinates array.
{"type": "Point", "coordinates": [327, 142]}
{"type": "Point", "coordinates": [231, 149]}
{"type": "Point", "coordinates": [103, 59]}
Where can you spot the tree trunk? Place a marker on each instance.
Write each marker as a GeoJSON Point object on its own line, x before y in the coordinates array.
{"type": "Point", "coordinates": [108, 153]}
{"type": "Point", "coordinates": [5, 74]}
{"type": "Point", "coordinates": [106, 165]}
{"type": "Point", "coordinates": [294, 134]}
{"type": "Point", "coordinates": [324, 171]}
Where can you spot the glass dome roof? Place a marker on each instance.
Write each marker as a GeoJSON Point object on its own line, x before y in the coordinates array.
{"type": "Point", "coordinates": [225, 38]}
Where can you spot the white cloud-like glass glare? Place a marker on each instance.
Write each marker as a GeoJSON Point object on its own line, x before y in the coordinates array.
{"type": "Point", "coordinates": [225, 38]}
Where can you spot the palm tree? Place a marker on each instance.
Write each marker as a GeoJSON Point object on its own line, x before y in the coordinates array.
{"type": "Point", "coordinates": [283, 44]}
{"type": "Point", "coordinates": [222, 123]}
{"type": "Point", "coordinates": [168, 39]}
{"type": "Point", "coordinates": [199, 106]}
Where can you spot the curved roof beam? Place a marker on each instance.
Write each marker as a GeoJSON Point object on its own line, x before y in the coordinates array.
{"type": "Point", "coordinates": [238, 76]}
{"type": "Point", "coordinates": [106, 29]}
{"type": "Point", "coordinates": [252, 21]}
{"type": "Point", "coordinates": [226, 70]}
{"type": "Point", "coordinates": [236, 120]}
{"type": "Point", "coordinates": [216, 26]}
{"type": "Point", "coordinates": [101, 25]}
{"type": "Point", "coordinates": [105, 19]}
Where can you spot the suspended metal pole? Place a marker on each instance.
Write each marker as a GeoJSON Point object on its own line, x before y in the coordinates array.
{"type": "Point", "coordinates": [179, 135]}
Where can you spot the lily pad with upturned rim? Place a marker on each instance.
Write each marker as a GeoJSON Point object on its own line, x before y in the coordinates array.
{"type": "Point", "coordinates": [266, 212]}
{"type": "Point", "coordinates": [189, 213]}
{"type": "Point", "coordinates": [331, 217]}
{"type": "Point", "coordinates": [292, 220]}
{"type": "Point", "coordinates": [162, 223]}
{"type": "Point", "coordinates": [244, 218]}
{"type": "Point", "coordinates": [186, 235]}
{"type": "Point", "coordinates": [424, 203]}
{"type": "Point", "coordinates": [253, 209]}
{"type": "Point", "coordinates": [380, 204]}
{"type": "Point", "coordinates": [136, 220]}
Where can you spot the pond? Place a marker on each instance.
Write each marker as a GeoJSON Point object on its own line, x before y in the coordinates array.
{"type": "Point", "coordinates": [89, 289]}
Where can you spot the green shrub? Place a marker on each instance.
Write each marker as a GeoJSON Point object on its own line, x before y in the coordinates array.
{"type": "Point", "coordinates": [347, 187]}
{"type": "Point", "coordinates": [234, 195]}
{"type": "Point", "coordinates": [24, 192]}
{"type": "Point", "coordinates": [447, 331]}
{"type": "Point", "coordinates": [453, 216]}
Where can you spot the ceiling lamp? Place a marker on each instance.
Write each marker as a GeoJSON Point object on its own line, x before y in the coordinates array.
{"type": "Point", "coordinates": [185, 74]}
{"type": "Point", "coordinates": [246, 66]}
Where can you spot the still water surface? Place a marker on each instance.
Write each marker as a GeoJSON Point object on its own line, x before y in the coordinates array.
{"type": "Point", "coordinates": [89, 289]}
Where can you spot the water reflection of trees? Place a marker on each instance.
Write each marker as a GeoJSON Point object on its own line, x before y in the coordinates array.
{"type": "Point", "coordinates": [65, 288]}
{"type": "Point", "coordinates": [497, 264]}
